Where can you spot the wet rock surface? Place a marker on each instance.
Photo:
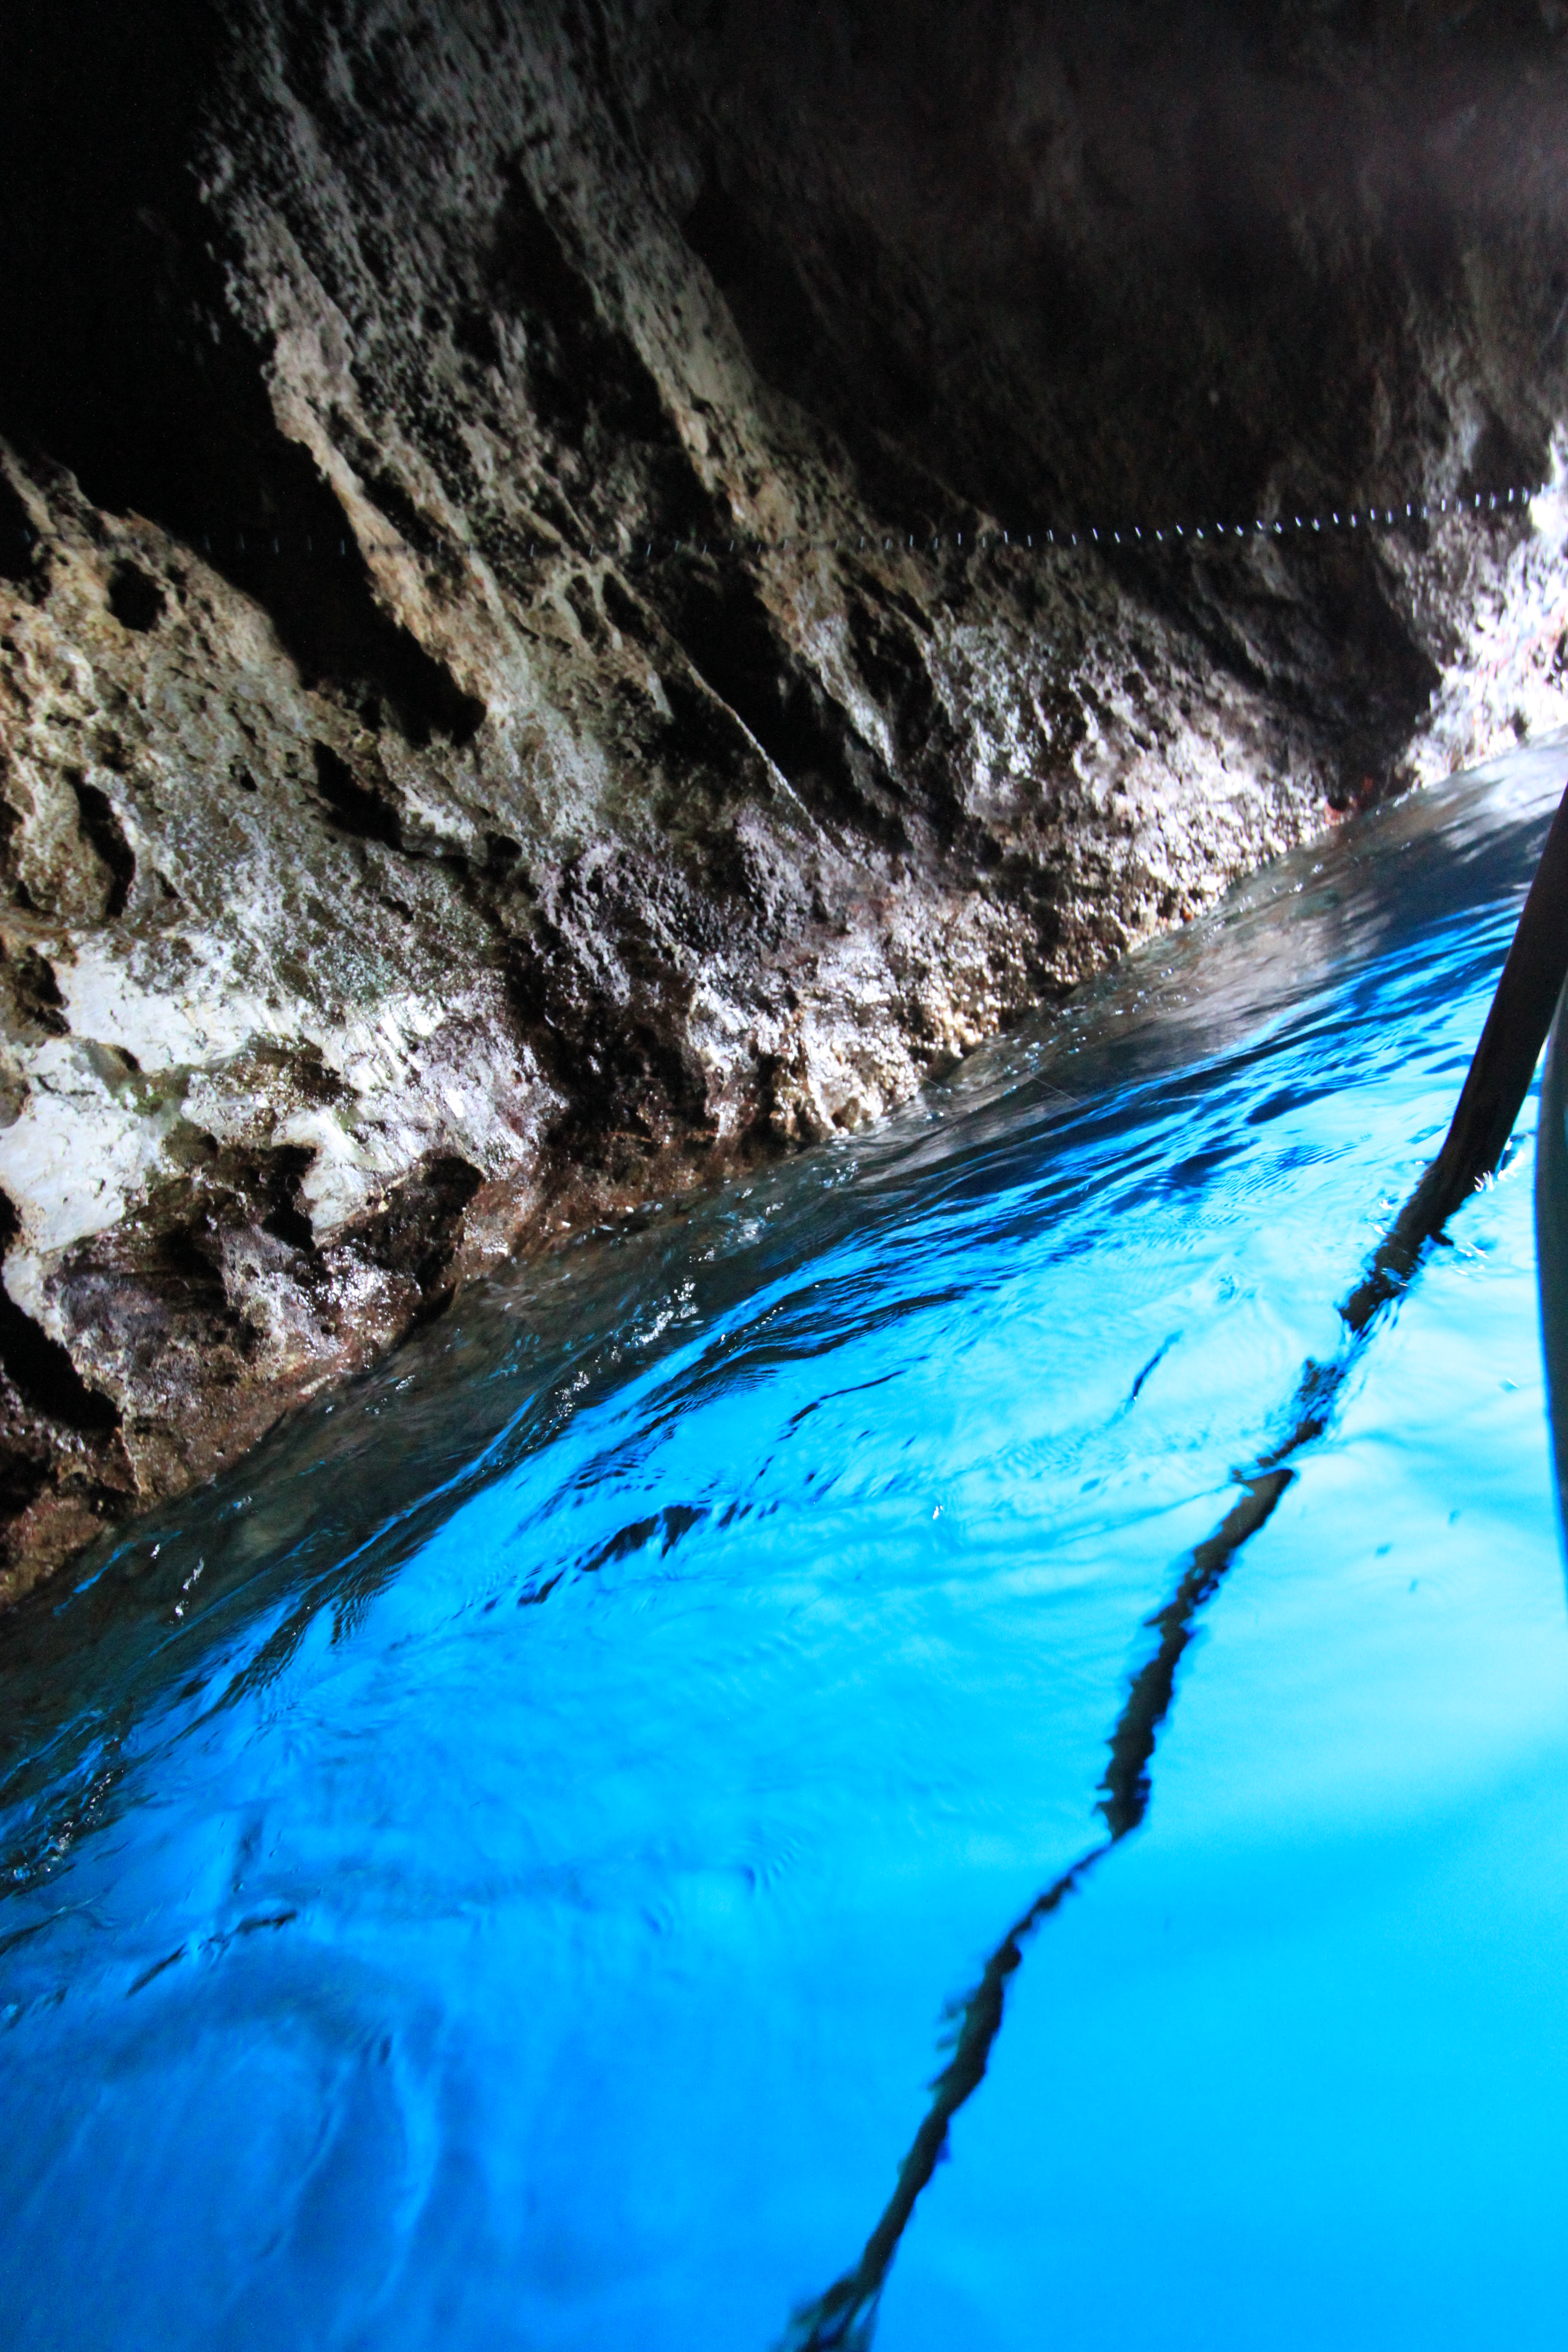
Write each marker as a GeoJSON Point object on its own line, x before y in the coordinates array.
{"type": "Point", "coordinates": [399, 861]}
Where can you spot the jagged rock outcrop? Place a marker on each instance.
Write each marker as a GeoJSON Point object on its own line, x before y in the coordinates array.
{"type": "Point", "coordinates": [399, 860]}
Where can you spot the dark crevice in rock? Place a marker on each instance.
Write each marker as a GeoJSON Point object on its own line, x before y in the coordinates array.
{"type": "Point", "coordinates": [186, 1258]}
{"type": "Point", "coordinates": [103, 830]}
{"type": "Point", "coordinates": [35, 991]}
{"type": "Point", "coordinates": [285, 1218]}
{"type": "Point", "coordinates": [586, 378]}
{"type": "Point", "coordinates": [170, 1252]}
{"type": "Point", "coordinates": [706, 740]}
{"type": "Point", "coordinates": [289, 1225]}
{"type": "Point", "coordinates": [727, 635]}
{"type": "Point", "coordinates": [136, 602]}
{"type": "Point", "coordinates": [39, 1368]}
{"type": "Point", "coordinates": [356, 808]}
{"type": "Point", "coordinates": [590, 618]}
{"type": "Point", "coordinates": [417, 1231]}
{"type": "Point", "coordinates": [628, 1085]}
{"type": "Point", "coordinates": [26, 1471]}
{"type": "Point", "coordinates": [308, 574]}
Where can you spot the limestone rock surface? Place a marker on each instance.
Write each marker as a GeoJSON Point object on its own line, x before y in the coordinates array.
{"type": "Point", "coordinates": [592, 590]}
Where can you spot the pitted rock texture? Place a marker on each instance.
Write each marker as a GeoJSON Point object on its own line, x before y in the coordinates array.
{"type": "Point", "coordinates": [397, 865]}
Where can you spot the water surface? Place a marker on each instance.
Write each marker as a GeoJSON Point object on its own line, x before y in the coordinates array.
{"type": "Point", "coordinates": [491, 1873]}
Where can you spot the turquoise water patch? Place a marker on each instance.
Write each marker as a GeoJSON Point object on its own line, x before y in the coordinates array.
{"type": "Point", "coordinates": [493, 1871]}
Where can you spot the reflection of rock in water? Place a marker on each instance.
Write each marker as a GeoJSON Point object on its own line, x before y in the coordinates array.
{"type": "Point", "coordinates": [377, 894]}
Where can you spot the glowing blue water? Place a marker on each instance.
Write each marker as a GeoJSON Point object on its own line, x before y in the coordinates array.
{"type": "Point", "coordinates": [490, 1876]}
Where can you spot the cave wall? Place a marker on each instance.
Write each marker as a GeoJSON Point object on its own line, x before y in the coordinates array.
{"type": "Point", "coordinates": [398, 865]}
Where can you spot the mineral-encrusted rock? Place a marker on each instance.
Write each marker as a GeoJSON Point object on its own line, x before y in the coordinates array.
{"type": "Point", "coordinates": [399, 860]}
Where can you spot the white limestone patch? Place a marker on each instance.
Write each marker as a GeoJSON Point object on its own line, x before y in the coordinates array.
{"type": "Point", "coordinates": [80, 1152]}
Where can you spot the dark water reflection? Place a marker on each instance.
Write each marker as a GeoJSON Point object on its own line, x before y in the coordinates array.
{"type": "Point", "coordinates": [491, 1872]}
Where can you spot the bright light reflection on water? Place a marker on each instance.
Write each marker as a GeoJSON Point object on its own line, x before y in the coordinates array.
{"type": "Point", "coordinates": [490, 1874]}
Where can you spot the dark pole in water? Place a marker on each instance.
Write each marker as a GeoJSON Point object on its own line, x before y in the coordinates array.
{"type": "Point", "coordinates": [1504, 1064]}
{"type": "Point", "coordinates": [1500, 1070]}
{"type": "Point", "coordinates": [1551, 1247]}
